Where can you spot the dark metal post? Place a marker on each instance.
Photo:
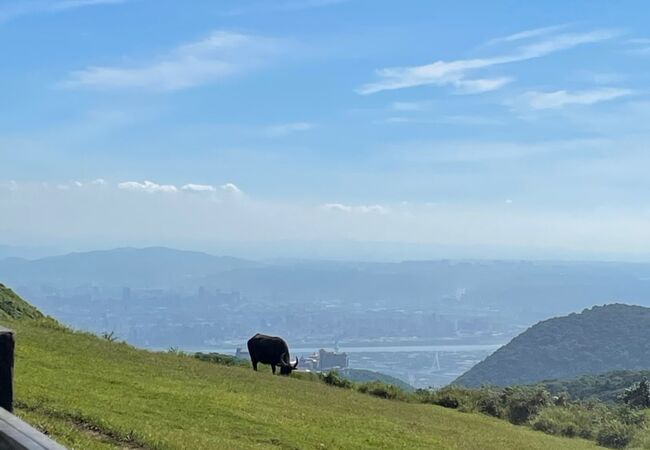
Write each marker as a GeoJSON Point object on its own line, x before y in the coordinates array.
{"type": "Point", "coordinates": [6, 369]}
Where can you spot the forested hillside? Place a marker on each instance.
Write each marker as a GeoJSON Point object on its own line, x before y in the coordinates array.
{"type": "Point", "coordinates": [600, 339]}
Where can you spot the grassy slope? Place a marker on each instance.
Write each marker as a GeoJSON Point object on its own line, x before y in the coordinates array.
{"type": "Point", "coordinates": [92, 394]}
{"type": "Point", "coordinates": [12, 306]}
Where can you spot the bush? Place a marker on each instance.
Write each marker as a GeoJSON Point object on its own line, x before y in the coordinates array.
{"type": "Point", "coordinates": [629, 416]}
{"type": "Point", "coordinates": [334, 379]}
{"type": "Point", "coordinates": [218, 358]}
{"type": "Point", "coordinates": [523, 403]}
{"type": "Point", "coordinates": [383, 390]}
{"type": "Point", "coordinates": [447, 397]}
{"type": "Point", "coordinates": [614, 434]}
{"type": "Point", "coordinates": [569, 421]}
{"type": "Point", "coordinates": [489, 402]}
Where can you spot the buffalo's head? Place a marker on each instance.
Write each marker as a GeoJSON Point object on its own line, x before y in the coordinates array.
{"type": "Point", "coordinates": [285, 365]}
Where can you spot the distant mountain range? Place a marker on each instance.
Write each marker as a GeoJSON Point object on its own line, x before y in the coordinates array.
{"type": "Point", "coordinates": [598, 340]}
{"type": "Point", "coordinates": [526, 290]}
{"type": "Point", "coordinates": [148, 267]}
{"type": "Point", "coordinates": [13, 251]}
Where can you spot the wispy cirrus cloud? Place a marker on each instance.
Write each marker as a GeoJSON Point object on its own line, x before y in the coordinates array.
{"type": "Point", "coordinates": [282, 6]}
{"type": "Point", "coordinates": [283, 129]}
{"type": "Point", "coordinates": [70, 4]}
{"type": "Point", "coordinates": [562, 98]}
{"type": "Point", "coordinates": [220, 55]}
{"type": "Point", "coordinates": [458, 73]}
{"type": "Point", "coordinates": [526, 34]}
{"type": "Point", "coordinates": [638, 46]}
{"type": "Point", "coordinates": [363, 209]}
{"type": "Point", "coordinates": [14, 9]}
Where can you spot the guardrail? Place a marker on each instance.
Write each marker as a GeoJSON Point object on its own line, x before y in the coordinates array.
{"type": "Point", "coordinates": [14, 433]}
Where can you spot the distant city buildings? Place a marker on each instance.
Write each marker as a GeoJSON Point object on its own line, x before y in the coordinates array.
{"type": "Point", "coordinates": [324, 360]}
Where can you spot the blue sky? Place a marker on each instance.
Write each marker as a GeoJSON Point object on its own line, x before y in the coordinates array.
{"type": "Point", "coordinates": [484, 125]}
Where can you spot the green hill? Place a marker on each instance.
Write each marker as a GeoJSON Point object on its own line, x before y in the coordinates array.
{"type": "Point", "coordinates": [90, 393]}
{"type": "Point", "coordinates": [598, 340]}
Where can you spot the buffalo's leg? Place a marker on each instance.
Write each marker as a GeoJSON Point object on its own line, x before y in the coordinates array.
{"type": "Point", "coordinates": [273, 368]}
{"type": "Point", "coordinates": [254, 365]}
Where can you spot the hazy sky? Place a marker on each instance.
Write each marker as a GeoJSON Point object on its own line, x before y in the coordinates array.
{"type": "Point", "coordinates": [486, 125]}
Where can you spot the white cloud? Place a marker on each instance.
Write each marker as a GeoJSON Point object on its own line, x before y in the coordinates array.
{"type": "Point", "coordinates": [455, 73]}
{"type": "Point", "coordinates": [118, 217]}
{"type": "Point", "coordinates": [198, 188]}
{"type": "Point", "coordinates": [99, 182]}
{"type": "Point", "coordinates": [230, 188]}
{"type": "Point", "coordinates": [561, 98]}
{"type": "Point", "coordinates": [283, 129]}
{"type": "Point", "coordinates": [78, 184]}
{"type": "Point", "coordinates": [220, 55]}
{"type": "Point", "coordinates": [147, 186]}
{"type": "Point", "coordinates": [364, 209]}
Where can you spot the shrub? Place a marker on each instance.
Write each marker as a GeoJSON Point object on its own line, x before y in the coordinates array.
{"type": "Point", "coordinates": [383, 390]}
{"type": "Point", "coordinates": [523, 403]}
{"type": "Point", "coordinates": [569, 421]}
{"type": "Point", "coordinates": [447, 397]}
{"type": "Point", "coordinates": [334, 379]}
{"type": "Point", "coordinates": [218, 358]}
{"type": "Point", "coordinates": [614, 434]}
{"type": "Point", "coordinates": [447, 401]}
{"type": "Point", "coordinates": [629, 416]}
{"type": "Point", "coordinates": [488, 401]}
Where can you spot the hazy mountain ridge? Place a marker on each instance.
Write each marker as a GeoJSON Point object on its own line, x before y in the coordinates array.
{"type": "Point", "coordinates": [531, 289]}
{"type": "Point", "coordinates": [600, 339]}
{"type": "Point", "coordinates": [147, 267]}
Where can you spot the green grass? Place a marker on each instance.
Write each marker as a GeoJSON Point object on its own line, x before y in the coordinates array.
{"type": "Point", "coordinates": [14, 307]}
{"type": "Point", "coordinates": [92, 394]}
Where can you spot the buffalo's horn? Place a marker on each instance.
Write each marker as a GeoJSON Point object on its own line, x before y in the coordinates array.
{"type": "Point", "coordinates": [296, 364]}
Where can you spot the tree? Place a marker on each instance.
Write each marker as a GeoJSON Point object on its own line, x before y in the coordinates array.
{"type": "Point", "coordinates": [637, 395]}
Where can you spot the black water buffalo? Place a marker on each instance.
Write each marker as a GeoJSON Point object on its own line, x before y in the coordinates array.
{"type": "Point", "coordinates": [270, 350]}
